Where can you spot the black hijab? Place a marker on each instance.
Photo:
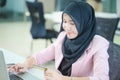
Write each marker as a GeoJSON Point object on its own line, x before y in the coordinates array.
{"type": "Point", "coordinates": [83, 16]}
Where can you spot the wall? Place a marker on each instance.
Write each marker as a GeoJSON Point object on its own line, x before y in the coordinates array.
{"type": "Point", "coordinates": [15, 6]}
{"type": "Point", "coordinates": [109, 6]}
{"type": "Point", "coordinates": [49, 5]}
{"type": "Point", "coordinates": [98, 7]}
{"type": "Point", "coordinates": [118, 7]}
{"type": "Point", "coordinates": [20, 6]}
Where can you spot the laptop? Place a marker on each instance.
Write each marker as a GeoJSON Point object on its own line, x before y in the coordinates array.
{"type": "Point", "coordinates": [6, 75]}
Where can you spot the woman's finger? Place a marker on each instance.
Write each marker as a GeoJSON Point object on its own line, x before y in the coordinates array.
{"type": "Point", "coordinates": [48, 78]}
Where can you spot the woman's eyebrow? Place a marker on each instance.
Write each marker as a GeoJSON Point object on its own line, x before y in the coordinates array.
{"type": "Point", "coordinates": [69, 20]}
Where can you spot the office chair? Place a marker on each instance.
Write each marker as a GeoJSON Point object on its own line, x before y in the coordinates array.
{"type": "Point", "coordinates": [114, 61]}
{"type": "Point", "coordinates": [38, 28]}
{"type": "Point", "coordinates": [106, 27]}
{"type": "Point", "coordinates": [2, 3]}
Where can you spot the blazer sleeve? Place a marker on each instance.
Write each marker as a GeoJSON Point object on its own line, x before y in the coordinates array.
{"type": "Point", "coordinates": [101, 65]}
{"type": "Point", "coordinates": [45, 55]}
{"type": "Point", "coordinates": [49, 53]}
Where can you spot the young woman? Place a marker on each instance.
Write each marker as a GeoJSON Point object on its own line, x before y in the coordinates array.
{"type": "Point", "coordinates": [79, 53]}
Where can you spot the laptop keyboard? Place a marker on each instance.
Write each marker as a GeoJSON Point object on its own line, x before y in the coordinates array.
{"type": "Point", "coordinates": [14, 77]}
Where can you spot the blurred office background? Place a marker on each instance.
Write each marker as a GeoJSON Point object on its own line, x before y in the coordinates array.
{"type": "Point", "coordinates": [15, 23]}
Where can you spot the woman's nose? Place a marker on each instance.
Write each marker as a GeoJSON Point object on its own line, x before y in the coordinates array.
{"type": "Point", "coordinates": [67, 26]}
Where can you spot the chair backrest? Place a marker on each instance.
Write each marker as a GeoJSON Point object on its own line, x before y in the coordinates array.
{"type": "Point", "coordinates": [37, 17]}
{"type": "Point", "coordinates": [2, 3]}
{"type": "Point", "coordinates": [114, 61]}
{"type": "Point", "coordinates": [106, 27]}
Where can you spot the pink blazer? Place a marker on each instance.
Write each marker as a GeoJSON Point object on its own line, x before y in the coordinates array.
{"type": "Point", "coordinates": [93, 63]}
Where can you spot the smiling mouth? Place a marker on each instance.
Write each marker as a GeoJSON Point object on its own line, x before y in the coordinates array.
{"type": "Point", "coordinates": [69, 33]}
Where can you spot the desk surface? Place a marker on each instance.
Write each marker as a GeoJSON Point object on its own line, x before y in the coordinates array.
{"type": "Point", "coordinates": [38, 74]}
{"type": "Point", "coordinates": [57, 16]}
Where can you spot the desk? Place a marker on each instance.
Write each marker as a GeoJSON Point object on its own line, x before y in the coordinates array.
{"type": "Point", "coordinates": [56, 17]}
{"type": "Point", "coordinates": [106, 15]}
{"type": "Point", "coordinates": [31, 74]}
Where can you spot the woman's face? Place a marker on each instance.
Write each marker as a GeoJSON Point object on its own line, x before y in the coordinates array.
{"type": "Point", "coordinates": [69, 27]}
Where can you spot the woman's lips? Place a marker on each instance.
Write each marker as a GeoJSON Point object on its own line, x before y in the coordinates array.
{"type": "Point", "coordinates": [69, 33]}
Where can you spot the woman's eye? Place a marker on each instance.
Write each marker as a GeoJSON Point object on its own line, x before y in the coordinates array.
{"type": "Point", "coordinates": [72, 23]}
{"type": "Point", "coordinates": [64, 21]}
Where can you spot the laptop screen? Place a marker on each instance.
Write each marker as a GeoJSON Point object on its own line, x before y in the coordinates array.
{"type": "Point", "coordinates": [3, 68]}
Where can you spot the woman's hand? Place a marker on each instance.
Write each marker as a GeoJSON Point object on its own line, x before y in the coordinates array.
{"type": "Point", "coordinates": [51, 75]}
{"type": "Point", "coordinates": [18, 68]}
{"type": "Point", "coordinates": [21, 68]}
